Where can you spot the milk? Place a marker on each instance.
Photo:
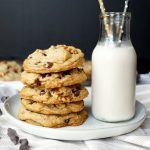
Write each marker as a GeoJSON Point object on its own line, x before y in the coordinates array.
{"type": "Point", "coordinates": [113, 82]}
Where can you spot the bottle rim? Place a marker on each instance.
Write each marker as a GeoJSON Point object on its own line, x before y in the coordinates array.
{"type": "Point", "coordinates": [127, 14]}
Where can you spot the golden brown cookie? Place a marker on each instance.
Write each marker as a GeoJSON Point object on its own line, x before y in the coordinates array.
{"type": "Point", "coordinates": [54, 96]}
{"type": "Point", "coordinates": [50, 109]}
{"type": "Point", "coordinates": [55, 59]}
{"type": "Point", "coordinates": [87, 67]}
{"type": "Point", "coordinates": [52, 121]}
{"type": "Point", "coordinates": [10, 70]}
{"type": "Point", "coordinates": [54, 80]}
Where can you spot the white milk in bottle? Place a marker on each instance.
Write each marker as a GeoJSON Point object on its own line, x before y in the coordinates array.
{"type": "Point", "coordinates": [114, 74]}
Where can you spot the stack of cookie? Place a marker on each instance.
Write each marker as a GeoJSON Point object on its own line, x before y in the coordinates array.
{"type": "Point", "coordinates": [53, 95]}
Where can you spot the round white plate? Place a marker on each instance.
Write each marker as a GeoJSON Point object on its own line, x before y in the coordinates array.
{"type": "Point", "coordinates": [91, 129]}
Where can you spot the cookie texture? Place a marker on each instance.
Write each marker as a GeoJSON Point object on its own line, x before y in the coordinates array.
{"type": "Point", "coordinates": [54, 96]}
{"type": "Point", "coordinates": [54, 80]}
{"type": "Point", "coordinates": [87, 67]}
{"type": "Point", "coordinates": [55, 59]}
{"type": "Point", "coordinates": [72, 119]}
{"type": "Point", "coordinates": [10, 70]}
{"type": "Point", "coordinates": [56, 109]}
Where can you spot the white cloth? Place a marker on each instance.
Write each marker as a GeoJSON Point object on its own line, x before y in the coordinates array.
{"type": "Point", "coordinates": [136, 140]}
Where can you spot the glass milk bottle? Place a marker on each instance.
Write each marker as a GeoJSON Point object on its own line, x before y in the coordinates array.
{"type": "Point", "coordinates": [114, 72]}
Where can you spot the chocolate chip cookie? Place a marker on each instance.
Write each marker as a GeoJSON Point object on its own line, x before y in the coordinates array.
{"type": "Point", "coordinates": [50, 109]}
{"type": "Point", "coordinates": [54, 96]}
{"type": "Point", "coordinates": [72, 119]}
{"type": "Point", "coordinates": [10, 70]}
{"type": "Point", "coordinates": [54, 80]}
{"type": "Point", "coordinates": [55, 59]}
{"type": "Point", "coordinates": [87, 67]}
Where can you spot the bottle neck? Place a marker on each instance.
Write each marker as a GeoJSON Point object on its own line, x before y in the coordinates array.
{"type": "Point", "coordinates": [114, 28]}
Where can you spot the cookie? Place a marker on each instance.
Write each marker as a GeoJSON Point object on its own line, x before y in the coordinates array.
{"type": "Point", "coordinates": [10, 70]}
{"type": "Point", "coordinates": [55, 59]}
{"type": "Point", "coordinates": [87, 67]}
{"type": "Point", "coordinates": [54, 80]}
{"type": "Point", "coordinates": [56, 95]}
{"type": "Point", "coordinates": [52, 121]}
{"type": "Point", "coordinates": [56, 109]}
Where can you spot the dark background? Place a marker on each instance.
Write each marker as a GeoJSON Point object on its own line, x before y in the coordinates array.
{"type": "Point", "coordinates": [29, 24]}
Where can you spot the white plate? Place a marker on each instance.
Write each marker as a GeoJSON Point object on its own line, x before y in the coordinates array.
{"type": "Point", "coordinates": [91, 129]}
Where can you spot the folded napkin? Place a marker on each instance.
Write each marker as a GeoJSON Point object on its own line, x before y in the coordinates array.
{"type": "Point", "coordinates": [136, 140]}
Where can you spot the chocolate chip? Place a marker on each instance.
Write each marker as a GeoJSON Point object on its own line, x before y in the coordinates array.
{"type": "Point", "coordinates": [14, 139]}
{"type": "Point", "coordinates": [50, 93]}
{"type": "Point", "coordinates": [42, 92]}
{"type": "Point", "coordinates": [66, 120]}
{"type": "Point", "coordinates": [80, 69]}
{"type": "Point", "coordinates": [48, 65]}
{"type": "Point", "coordinates": [77, 93]}
{"type": "Point", "coordinates": [1, 112]}
{"type": "Point", "coordinates": [60, 77]}
{"type": "Point", "coordinates": [31, 102]}
{"type": "Point", "coordinates": [15, 70]}
{"type": "Point", "coordinates": [49, 74]}
{"type": "Point", "coordinates": [37, 62]}
{"type": "Point", "coordinates": [44, 54]}
{"type": "Point", "coordinates": [8, 67]}
{"type": "Point", "coordinates": [46, 75]}
{"type": "Point", "coordinates": [11, 132]}
{"type": "Point", "coordinates": [30, 57]}
{"type": "Point", "coordinates": [13, 135]}
{"type": "Point", "coordinates": [4, 98]}
{"type": "Point", "coordinates": [24, 147]}
{"type": "Point", "coordinates": [78, 87]}
{"type": "Point", "coordinates": [65, 73]}
{"type": "Point", "coordinates": [43, 75]}
{"type": "Point", "coordinates": [36, 83]}
{"type": "Point", "coordinates": [23, 142]}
